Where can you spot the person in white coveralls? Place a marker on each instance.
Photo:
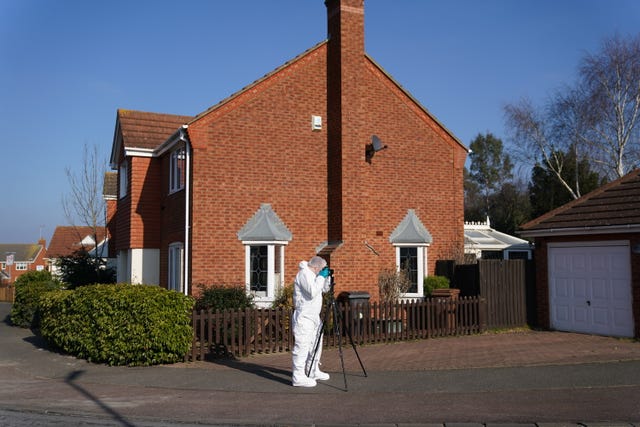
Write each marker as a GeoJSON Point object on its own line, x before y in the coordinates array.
{"type": "Point", "coordinates": [311, 281]}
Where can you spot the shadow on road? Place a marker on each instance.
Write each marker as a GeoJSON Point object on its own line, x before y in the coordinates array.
{"type": "Point", "coordinates": [71, 381]}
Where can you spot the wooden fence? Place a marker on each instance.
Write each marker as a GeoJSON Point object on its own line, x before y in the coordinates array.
{"type": "Point", "coordinates": [7, 293]}
{"type": "Point", "coordinates": [250, 331]}
{"type": "Point", "coordinates": [508, 286]}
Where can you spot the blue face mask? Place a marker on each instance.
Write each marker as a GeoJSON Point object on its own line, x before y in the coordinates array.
{"type": "Point", "coordinates": [324, 272]}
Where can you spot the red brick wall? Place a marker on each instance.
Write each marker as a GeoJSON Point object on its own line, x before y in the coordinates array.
{"type": "Point", "coordinates": [172, 216]}
{"type": "Point", "coordinates": [260, 148]}
{"type": "Point", "coordinates": [138, 221]}
{"type": "Point", "coordinates": [542, 275]}
{"type": "Point", "coordinates": [111, 226]}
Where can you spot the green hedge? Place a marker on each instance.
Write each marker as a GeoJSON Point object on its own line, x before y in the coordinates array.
{"type": "Point", "coordinates": [119, 324]}
{"type": "Point", "coordinates": [29, 287]}
{"type": "Point", "coordinates": [434, 282]}
{"type": "Point", "coordinates": [223, 297]}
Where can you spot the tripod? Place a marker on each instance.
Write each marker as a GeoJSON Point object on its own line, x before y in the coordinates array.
{"type": "Point", "coordinates": [332, 308]}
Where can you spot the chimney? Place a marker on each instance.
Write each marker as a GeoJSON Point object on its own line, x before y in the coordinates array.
{"type": "Point", "coordinates": [345, 144]}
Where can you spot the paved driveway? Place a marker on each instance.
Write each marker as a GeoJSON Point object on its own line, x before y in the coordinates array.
{"type": "Point", "coordinates": [523, 378]}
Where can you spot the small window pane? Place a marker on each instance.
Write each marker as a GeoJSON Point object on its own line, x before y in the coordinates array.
{"type": "Point", "coordinates": [175, 267]}
{"type": "Point", "coordinates": [409, 262]}
{"type": "Point", "coordinates": [177, 170]}
{"type": "Point", "coordinates": [259, 268]}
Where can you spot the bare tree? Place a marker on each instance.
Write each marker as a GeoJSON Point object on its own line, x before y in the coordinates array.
{"type": "Point", "coordinates": [611, 81]}
{"type": "Point", "coordinates": [598, 117]}
{"type": "Point", "coordinates": [84, 204]}
{"type": "Point", "coordinates": [536, 140]}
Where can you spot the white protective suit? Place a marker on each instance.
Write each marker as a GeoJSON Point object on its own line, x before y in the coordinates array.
{"type": "Point", "coordinates": [307, 299]}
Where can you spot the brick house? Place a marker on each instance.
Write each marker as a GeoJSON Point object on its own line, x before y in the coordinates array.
{"type": "Point", "coordinates": [18, 258]}
{"type": "Point", "coordinates": [588, 261]}
{"type": "Point", "coordinates": [67, 240]}
{"type": "Point", "coordinates": [325, 155]}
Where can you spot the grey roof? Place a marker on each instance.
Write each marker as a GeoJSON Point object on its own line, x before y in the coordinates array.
{"type": "Point", "coordinates": [23, 252]}
{"type": "Point", "coordinates": [411, 230]}
{"type": "Point", "coordinates": [264, 226]}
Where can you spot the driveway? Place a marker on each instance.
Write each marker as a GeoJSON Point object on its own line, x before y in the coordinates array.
{"type": "Point", "coordinates": [522, 378]}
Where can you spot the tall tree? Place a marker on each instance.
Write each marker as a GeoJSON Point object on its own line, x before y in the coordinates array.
{"type": "Point", "coordinates": [545, 191]}
{"type": "Point", "coordinates": [597, 117]}
{"type": "Point", "coordinates": [611, 83]}
{"type": "Point", "coordinates": [84, 203]}
{"type": "Point", "coordinates": [490, 167]}
{"type": "Point", "coordinates": [511, 207]}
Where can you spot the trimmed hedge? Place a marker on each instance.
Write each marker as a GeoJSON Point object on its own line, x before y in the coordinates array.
{"type": "Point", "coordinates": [223, 297]}
{"type": "Point", "coordinates": [29, 287]}
{"type": "Point", "coordinates": [119, 324]}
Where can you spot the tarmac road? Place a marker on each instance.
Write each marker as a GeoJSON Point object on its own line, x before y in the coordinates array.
{"type": "Point", "coordinates": [526, 378]}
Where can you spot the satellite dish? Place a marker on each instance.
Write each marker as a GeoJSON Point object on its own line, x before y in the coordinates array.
{"type": "Point", "coordinates": [377, 143]}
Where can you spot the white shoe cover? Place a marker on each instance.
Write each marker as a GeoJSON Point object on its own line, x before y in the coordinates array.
{"type": "Point", "coordinates": [304, 382]}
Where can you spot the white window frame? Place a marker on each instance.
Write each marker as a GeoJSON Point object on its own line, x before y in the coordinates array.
{"type": "Point", "coordinates": [275, 280]}
{"type": "Point", "coordinates": [175, 267]}
{"type": "Point", "coordinates": [21, 266]}
{"type": "Point", "coordinates": [177, 169]}
{"type": "Point", "coordinates": [123, 178]}
{"type": "Point", "coordinates": [422, 254]}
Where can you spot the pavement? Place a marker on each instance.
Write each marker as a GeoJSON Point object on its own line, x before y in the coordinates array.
{"type": "Point", "coordinates": [517, 378]}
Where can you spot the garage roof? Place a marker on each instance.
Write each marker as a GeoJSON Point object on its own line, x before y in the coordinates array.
{"type": "Point", "coordinates": [614, 207]}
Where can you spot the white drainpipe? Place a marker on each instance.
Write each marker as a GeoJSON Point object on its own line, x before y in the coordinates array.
{"type": "Point", "coordinates": [187, 206]}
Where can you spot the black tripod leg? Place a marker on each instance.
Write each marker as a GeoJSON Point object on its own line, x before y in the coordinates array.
{"type": "Point", "coordinates": [353, 345]}
{"type": "Point", "coordinates": [337, 318]}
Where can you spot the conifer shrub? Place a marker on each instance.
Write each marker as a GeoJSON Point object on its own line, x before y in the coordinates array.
{"type": "Point", "coordinates": [119, 324]}
{"type": "Point", "coordinates": [29, 287]}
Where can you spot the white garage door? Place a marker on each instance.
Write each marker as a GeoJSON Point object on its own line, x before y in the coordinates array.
{"type": "Point", "coordinates": [590, 288]}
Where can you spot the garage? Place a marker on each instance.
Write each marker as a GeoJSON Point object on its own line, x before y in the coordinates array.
{"type": "Point", "coordinates": [587, 261]}
{"type": "Point", "coordinates": [590, 288]}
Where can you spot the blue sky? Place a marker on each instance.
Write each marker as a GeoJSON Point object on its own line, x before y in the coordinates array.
{"type": "Point", "coordinates": [66, 66]}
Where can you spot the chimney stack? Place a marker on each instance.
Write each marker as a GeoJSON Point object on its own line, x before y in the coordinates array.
{"type": "Point", "coordinates": [346, 142]}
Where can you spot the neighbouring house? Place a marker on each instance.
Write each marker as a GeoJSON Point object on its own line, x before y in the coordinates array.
{"type": "Point", "coordinates": [110, 196]}
{"type": "Point", "coordinates": [588, 261]}
{"type": "Point", "coordinates": [18, 258]}
{"type": "Point", "coordinates": [67, 240]}
{"type": "Point", "coordinates": [483, 242]}
{"type": "Point", "coordinates": [325, 155]}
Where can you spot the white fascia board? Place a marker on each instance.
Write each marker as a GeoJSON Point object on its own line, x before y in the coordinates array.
{"type": "Point", "coordinates": [176, 137]}
{"type": "Point", "coordinates": [138, 152]}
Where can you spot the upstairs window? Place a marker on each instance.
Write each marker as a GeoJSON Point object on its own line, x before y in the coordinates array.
{"type": "Point", "coordinates": [123, 179]}
{"type": "Point", "coordinates": [177, 170]}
